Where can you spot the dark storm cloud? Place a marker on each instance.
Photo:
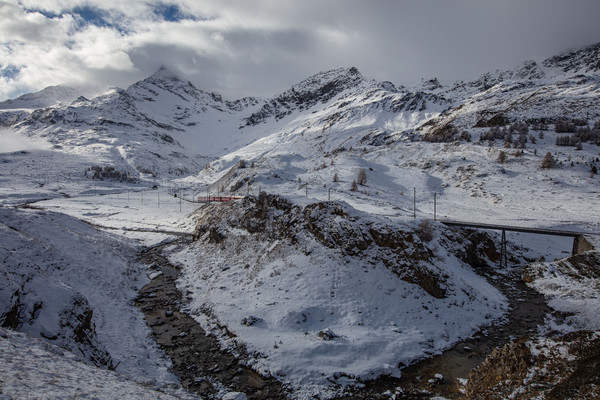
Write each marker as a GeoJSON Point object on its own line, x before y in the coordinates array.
{"type": "Point", "coordinates": [254, 47]}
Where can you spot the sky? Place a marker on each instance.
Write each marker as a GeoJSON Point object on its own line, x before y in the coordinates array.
{"type": "Point", "coordinates": [261, 47]}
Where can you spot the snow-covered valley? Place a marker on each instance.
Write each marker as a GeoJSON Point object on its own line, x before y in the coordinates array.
{"type": "Point", "coordinates": [334, 268]}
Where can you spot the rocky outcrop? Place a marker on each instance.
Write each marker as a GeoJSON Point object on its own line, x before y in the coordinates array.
{"type": "Point", "coordinates": [559, 368]}
{"type": "Point", "coordinates": [272, 217]}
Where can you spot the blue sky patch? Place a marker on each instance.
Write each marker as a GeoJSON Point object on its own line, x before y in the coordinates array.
{"type": "Point", "coordinates": [172, 13]}
{"type": "Point", "coordinates": [87, 15]}
{"type": "Point", "coordinates": [9, 71]}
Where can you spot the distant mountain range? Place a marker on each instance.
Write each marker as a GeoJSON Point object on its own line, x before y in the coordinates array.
{"type": "Point", "coordinates": [165, 125]}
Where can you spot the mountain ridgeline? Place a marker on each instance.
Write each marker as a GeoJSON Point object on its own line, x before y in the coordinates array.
{"type": "Point", "coordinates": [164, 125]}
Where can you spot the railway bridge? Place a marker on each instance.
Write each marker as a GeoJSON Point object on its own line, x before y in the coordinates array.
{"type": "Point", "coordinates": [580, 243]}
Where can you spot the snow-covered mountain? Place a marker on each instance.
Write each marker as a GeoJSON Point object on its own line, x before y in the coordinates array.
{"type": "Point", "coordinates": [159, 126]}
{"type": "Point", "coordinates": [416, 148]}
{"type": "Point", "coordinates": [50, 96]}
{"type": "Point", "coordinates": [565, 86]}
{"type": "Point", "coordinates": [165, 125]}
{"type": "Point", "coordinates": [578, 61]}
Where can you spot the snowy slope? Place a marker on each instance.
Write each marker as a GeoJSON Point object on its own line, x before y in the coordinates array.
{"type": "Point", "coordinates": [65, 281]}
{"type": "Point", "coordinates": [563, 86]}
{"type": "Point", "coordinates": [571, 286]}
{"type": "Point", "coordinates": [33, 368]}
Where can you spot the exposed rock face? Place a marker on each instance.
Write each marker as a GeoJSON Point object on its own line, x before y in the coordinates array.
{"type": "Point", "coordinates": [399, 250]}
{"type": "Point", "coordinates": [560, 368]}
{"type": "Point", "coordinates": [269, 216]}
{"type": "Point", "coordinates": [319, 88]}
{"type": "Point", "coordinates": [74, 328]}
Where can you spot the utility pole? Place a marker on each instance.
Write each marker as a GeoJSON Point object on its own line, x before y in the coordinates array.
{"type": "Point", "coordinates": [435, 206]}
{"type": "Point", "coordinates": [503, 254]}
{"type": "Point", "coordinates": [329, 194]}
{"type": "Point", "coordinates": [414, 202]}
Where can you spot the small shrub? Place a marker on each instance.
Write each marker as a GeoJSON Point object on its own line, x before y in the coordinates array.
{"type": "Point", "coordinates": [502, 157]}
{"type": "Point", "coordinates": [108, 172]}
{"type": "Point", "coordinates": [361, 179]}
{"type": "Point", "coordinates": [564, 126]}
{"type": "Point", "coordinates": [548, 161]}
{"type": "Point", "coordinates": [425, 231]}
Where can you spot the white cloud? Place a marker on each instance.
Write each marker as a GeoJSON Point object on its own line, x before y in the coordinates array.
{"type": "Point", "coordinates": [101, 48]}
{"type": "Point", "coordinates": [259, 47]}
{"type": "Point", "coordinates": [12, 141]}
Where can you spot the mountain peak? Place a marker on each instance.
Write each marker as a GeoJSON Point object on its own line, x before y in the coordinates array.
{"type": "Point", "coordinates": [165, 80]}
{"type": "Point", "coordinates": [342, 78]}
{"type": "Point", "coordinates": [163, 73]}
{"type": "Point", "coordinates": [319, 88]}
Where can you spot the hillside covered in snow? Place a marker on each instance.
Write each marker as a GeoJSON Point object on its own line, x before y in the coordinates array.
{"type": "Point", "coordinates": [334, 267]}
